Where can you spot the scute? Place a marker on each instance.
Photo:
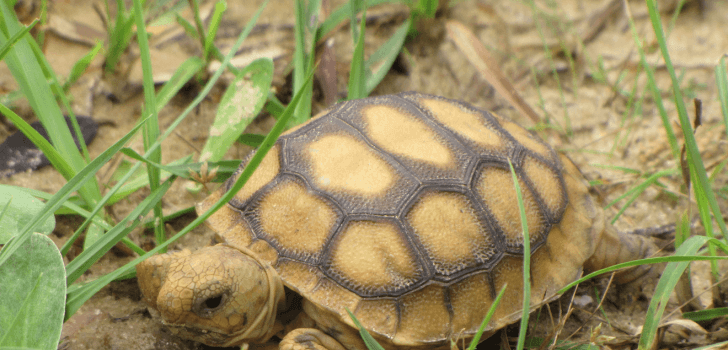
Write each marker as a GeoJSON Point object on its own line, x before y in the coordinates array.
{"type": "Point", "coordinates": [494, 186]}
{"type": "Point", "coordinates": [449, 227]}
{"type": "Point", "coordinates": [402, 209]}
{"type": "Point", "coordinates": [373, 258]}
{"type": "Point", "coordinates": [337, 160]}
{"type": "Point", "coordinates": [309, 219]}
{"type": "Point", "coordinates": [475, 127]}
{"type": "Point", "coordinates": [405, 132]}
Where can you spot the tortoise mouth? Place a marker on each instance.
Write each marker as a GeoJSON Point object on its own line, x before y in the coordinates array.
{"type": "Point", "coordinates": [207, 335]}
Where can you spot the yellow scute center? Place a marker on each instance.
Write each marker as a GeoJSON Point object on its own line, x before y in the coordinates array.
{"type": "Point", "coordinates": [402, 134]}
{"type": "Point", "coordinates": [344, 163]}
{"type": "Point", "coordinates": [465, 123]}
{"type": "Point", "coordinates": [495, 188]}
{"type": "Point", "coordinates": [448, 227]}
{"type": "Point", "coordinates": [374, 256]}
{"type": "Point", "coordinates": [296, 219]}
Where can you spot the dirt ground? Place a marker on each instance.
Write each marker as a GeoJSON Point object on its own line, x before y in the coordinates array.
{"type": "Point", "coordinates": [589, 95]}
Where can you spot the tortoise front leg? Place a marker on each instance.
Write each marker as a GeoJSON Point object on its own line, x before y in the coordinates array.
{"type": "Point", "coordinates": [309, 339]}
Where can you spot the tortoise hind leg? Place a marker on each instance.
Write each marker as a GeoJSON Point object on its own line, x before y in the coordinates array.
{"type": "Point", "coordinates": [309, 339]}
{"type": "Point", "coordinates": [618, 247]}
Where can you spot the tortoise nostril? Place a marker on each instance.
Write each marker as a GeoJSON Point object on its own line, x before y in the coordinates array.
{"type": "Point", "coordinates": [213, 302]}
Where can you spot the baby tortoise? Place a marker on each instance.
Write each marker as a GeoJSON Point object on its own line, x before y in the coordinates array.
{"type": "Point", "coordinates": [401, 209]}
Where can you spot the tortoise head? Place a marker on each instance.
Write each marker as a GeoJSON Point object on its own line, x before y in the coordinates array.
{"type": "Point", "coordinates": [219, 295]}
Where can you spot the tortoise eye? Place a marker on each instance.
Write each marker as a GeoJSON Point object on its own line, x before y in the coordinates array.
{"type": "Point", "coordinates": [213, 302]}
{"type": "Point", "coordinates": [207, 307]}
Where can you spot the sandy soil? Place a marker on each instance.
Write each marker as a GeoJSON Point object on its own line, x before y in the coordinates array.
{"type": "Point", "coordinates": [588, 95]}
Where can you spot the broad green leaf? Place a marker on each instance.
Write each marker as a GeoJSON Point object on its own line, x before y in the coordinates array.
{"type": "Point", "coordinates": [242, 101]}
{"type": "Point", "coordinates": [21, 208]}
{"type": "Point", "coordinates": [33, 290]}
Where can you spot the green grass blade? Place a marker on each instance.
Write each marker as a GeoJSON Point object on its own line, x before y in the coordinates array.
{"type": "Point", "coordinates": [34, 85]}
{"type": "Point", "coordinates": [151, 128]}
{"type": "Point", "coordinates": [120, 35]}
{"type": "Point", "coordinates": [656, 93]}
{"type": "Point", "coordinates": [357, 74]}
{"type": "Point", "coordinates": [79, 295]}
{"type": "Point", "coordinates": [181, 76]}
{"type": "Point", "coordinates": [304, 55]}
{"type": "Point", "coordinates": [93, 253]}
{"type": "Point", "coordinates": [369, 341]}
{"type": "Point", "coordinates": [62, 195]}
{"type": "Point", "coordinates": [715, 346]}
{"type": "Point", "coordinates": [175, 170]}
{"type": "Point", "coordinates": [476, 338]}
{"type": "Point", "coordinates": [341, 14]}
{"type": "Point", "coordinates": [73, 208]}
{"type": "Point", "coordinates": [526, 261]}
{"type": "Point", "coordinates": [706, 315]}
{"type": "Point", "coordinates": [33, 74]}
{"type": "Point", "coordinates": [637, 190]}
{"type": "Point", "coordinates": [381, 61]}
{"type": "Point", "coordinates": [81, 65]}
{"type": "Point", "coordinates": [17, 36]}
{"type": "Point", "coordinates": [39, 141]}
{"type": "Point", "coordinates": [704, 195]}
{"type": "Point", "coordinates": [664, 289]}
{"type": "Point", "coordinates": [721, 79]}
{"type": "Point", "coordinates": [220, 8]}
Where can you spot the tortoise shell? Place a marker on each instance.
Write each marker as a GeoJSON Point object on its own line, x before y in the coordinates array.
{"type": "Point", "coordinates": [402, 209]}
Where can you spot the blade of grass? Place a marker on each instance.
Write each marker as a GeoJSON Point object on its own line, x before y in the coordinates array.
{"type": "Point", "coordinates": [357, 73]}
{"type": "Point", "coordinates": [369, 341]}
{"type": "Point", "coordinates": [37, 140]}
{"type": "Point", "coordinates": [704, 195]}
{"type": "Point", "coordinates": [77, 210]}
{"type": "Point", "coordinates": [17, 36]}
{"type": "Point", "coordinates": [151, 128]}
{"type": "Point", "coordinates": [491, 311]}
{"type": "Point", "coordinates": [28, 73]}
{"type": "Point", "coordinates": [706, 315]}
{"type": "Point", "coordinates": [721, 79]}
{"type": "Point", "coordinates": [304, 54]}
{"type": "Point", "coordinates": [654, 89]}
{"type": "Point", "coordinates": [554, 71]}
{"type": "Point", "coordinates": [526, 261]}
{"type": "Point", "coordinates": [120, 34]}
{"type": "Point", "coordinates": [220, 8]}
{"type": "Point", "coordinates": [381, 61]}
{"type": "Point", "coordinates": [60, 197]}
{"type": "Point", "coordinates": [81, 65]}
{"type": "Point", "coordinates": [79, 295]}
{"type": "Point", "coordinates": [637, 190]}
{"type": "Point", "coordinates": [201, 96]}
{"type": "Point", "coordinates": [341, 14]}
{"type": "Point", "coordinates": [33, 74]}
{"type": "Point", "coordinates": [93, 253]}
{"type": "Point", "coordinates": [664, 289]}
{"type": "Point", "coordinates": [183, 73]}
{"type": "Point", "coordinates": [664, 259]}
